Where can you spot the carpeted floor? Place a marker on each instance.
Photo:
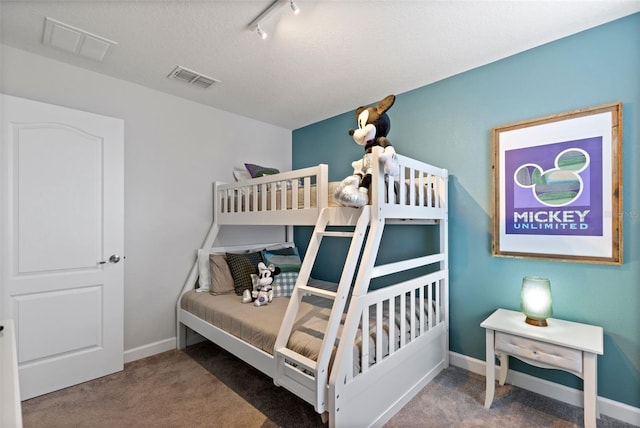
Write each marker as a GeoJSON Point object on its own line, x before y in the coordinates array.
{"type": "Point", "coordinates": [205, 386]}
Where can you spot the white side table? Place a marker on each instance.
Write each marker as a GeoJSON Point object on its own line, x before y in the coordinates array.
{"type": "Point", "coordinates": [564, 345]}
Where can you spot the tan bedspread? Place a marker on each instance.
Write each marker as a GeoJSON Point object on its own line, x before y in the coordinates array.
{"type": "Point", "coordinates": [259, 325]}
{"type": "Point", "coordinates": [255, 325]}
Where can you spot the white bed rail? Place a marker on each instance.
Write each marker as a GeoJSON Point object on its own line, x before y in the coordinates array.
{"type": "Point", "coordinates": [390, 373]}
{"type": "Point", "coordinates": [419, 191]}
{"type": "Point", "coordinates": [288, 198]}
{"type": "Point", "coordinates": [296, 197]}
{"type": "Point", "coordinates": [415, 305]}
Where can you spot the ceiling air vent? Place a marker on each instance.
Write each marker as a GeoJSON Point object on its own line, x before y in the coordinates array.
{"type": "Point", "coordinates": [191, 77]}
{"type": "Point", "coordinates": [74, 40]}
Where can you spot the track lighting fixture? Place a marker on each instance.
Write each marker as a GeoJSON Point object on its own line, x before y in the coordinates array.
{"type": "Point", "coordinates": [255, 24]}
{"type": "Point", "coordinates": [261, 33]}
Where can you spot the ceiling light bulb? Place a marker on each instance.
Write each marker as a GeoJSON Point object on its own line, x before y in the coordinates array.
{"type": "Point", "coordinates": [294, 7]}
{"type": "Point", "coordinates": [261, 33]}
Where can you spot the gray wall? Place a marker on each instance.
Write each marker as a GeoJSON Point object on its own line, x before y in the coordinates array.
{"type": "Point", "coordinates": [174, 150]}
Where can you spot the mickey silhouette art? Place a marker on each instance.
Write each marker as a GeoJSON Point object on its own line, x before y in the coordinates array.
{"type": "Point", "coordinates": [558, 186]}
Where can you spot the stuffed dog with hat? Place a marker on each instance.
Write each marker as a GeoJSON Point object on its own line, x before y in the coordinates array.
{"type": "Point", "coordinates": [373, 127]}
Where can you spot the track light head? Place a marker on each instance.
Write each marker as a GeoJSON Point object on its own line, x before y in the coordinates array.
{"type": "Point", "coordinates": [261, 33]}
{"type": "Point", "coordinates": [294, 7]}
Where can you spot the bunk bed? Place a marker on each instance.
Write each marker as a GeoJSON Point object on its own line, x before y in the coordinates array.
{"type": "Point", "coordinates": [356, 354]}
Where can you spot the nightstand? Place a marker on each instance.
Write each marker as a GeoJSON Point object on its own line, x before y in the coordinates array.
{"type": "Point", "coordinates": [563, 345]}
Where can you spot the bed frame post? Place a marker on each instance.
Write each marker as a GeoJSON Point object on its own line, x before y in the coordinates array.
{"type": "Point", "coordinates": [189, 284]}
{"type": "Point", "coordinates": [444, 264]}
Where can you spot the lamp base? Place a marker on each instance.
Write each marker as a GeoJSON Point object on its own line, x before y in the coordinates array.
{"type": "Point", "coordinates": [537, 323]}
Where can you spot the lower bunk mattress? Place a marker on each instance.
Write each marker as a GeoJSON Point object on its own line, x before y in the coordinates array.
{"type": "Point", "coordinates": [259, 326]}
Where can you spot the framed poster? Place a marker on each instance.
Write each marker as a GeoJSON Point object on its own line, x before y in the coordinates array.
{"type": "Point", "coordinates": [557, 187]}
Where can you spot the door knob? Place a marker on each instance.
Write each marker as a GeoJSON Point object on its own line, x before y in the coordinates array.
{"type": "Point", "coordinates": [113, 259]}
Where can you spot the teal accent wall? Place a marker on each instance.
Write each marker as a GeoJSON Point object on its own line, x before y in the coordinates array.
{"type": "Point", "coordinates": [449, 123]}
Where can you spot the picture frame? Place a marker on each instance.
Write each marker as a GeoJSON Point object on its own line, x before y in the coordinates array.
{"type": "Point", "coordinates": [557, 187]}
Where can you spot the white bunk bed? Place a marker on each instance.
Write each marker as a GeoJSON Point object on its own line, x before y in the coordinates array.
{"type": "Point", "coordinates": [346, 381]}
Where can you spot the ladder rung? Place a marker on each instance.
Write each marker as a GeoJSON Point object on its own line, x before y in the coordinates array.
{"type": "Point", "coordinates": [294, 357]}
{"type": "Point", "coordinates": [318, 291]}
{"type": "Point", "coordinates": [336, 234]}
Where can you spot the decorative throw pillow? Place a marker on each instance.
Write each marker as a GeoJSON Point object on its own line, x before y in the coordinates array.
{"type": "Point", "coordinates": [284, 284]}
{"type": "Point", "coordinates": [259, 171]}
{"type": "Point", "coordinates": [242, 266]}
{"type": "Point", "coordinates": [204, 276]}
{"type": "Point", "coordinates": [241, 174]}
{"type": "Point", "coordinates": [221, 279]}
{"type": "Point", "coordinates": [286, 251]}
{"type": "Point", "coordinates": [286, 262]}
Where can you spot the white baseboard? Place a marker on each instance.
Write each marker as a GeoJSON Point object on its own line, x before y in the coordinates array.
{"type": "Point", "coordinates": [149, 349]}
{"type": "Point", "coordinates": [614, 409]}
{"type": "Point", "coordinates": [159, 347]}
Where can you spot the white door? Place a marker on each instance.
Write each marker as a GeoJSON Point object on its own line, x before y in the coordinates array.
{"type": "Point", "coordinates": [62, 217]}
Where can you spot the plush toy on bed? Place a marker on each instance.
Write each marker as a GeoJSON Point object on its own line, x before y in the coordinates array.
{"type": "Point", "coordinates": [262, 293]}
{"type": "Point", "coordinates": [373, 127]}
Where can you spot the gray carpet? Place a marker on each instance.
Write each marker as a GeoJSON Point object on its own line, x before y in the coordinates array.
{"type": "Point", "coordinates": [205, 386]}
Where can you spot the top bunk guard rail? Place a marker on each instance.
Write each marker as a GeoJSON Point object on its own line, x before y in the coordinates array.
{"type": "Point", "coordinates": [287, 198]}
{"type": "Point", "coordinates": [418, 192]}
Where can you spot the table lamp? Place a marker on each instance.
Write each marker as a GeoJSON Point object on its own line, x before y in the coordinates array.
{"type": "Point", "coordinates": [535, 300]}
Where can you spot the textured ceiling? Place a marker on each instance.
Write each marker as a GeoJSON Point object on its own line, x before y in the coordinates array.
{"type": "Point", "coordinates": [332, 57]}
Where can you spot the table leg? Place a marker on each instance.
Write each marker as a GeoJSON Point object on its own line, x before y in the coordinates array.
{"type": "Point", "coordinates": [491, 369]}
{"type": "Point", "coordinates": [504, 368]}
{"type": "Point", "coordinates": [590, 376]}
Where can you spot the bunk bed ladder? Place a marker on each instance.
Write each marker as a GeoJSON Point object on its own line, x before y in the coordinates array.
{"type": "Point", "coordinates": [313, 387]}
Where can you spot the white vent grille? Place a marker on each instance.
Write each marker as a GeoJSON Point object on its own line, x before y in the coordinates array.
{"type": "Point", "coordinates": [191, 77]}
{"type": "Point", "coordinates": [71, 39]}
